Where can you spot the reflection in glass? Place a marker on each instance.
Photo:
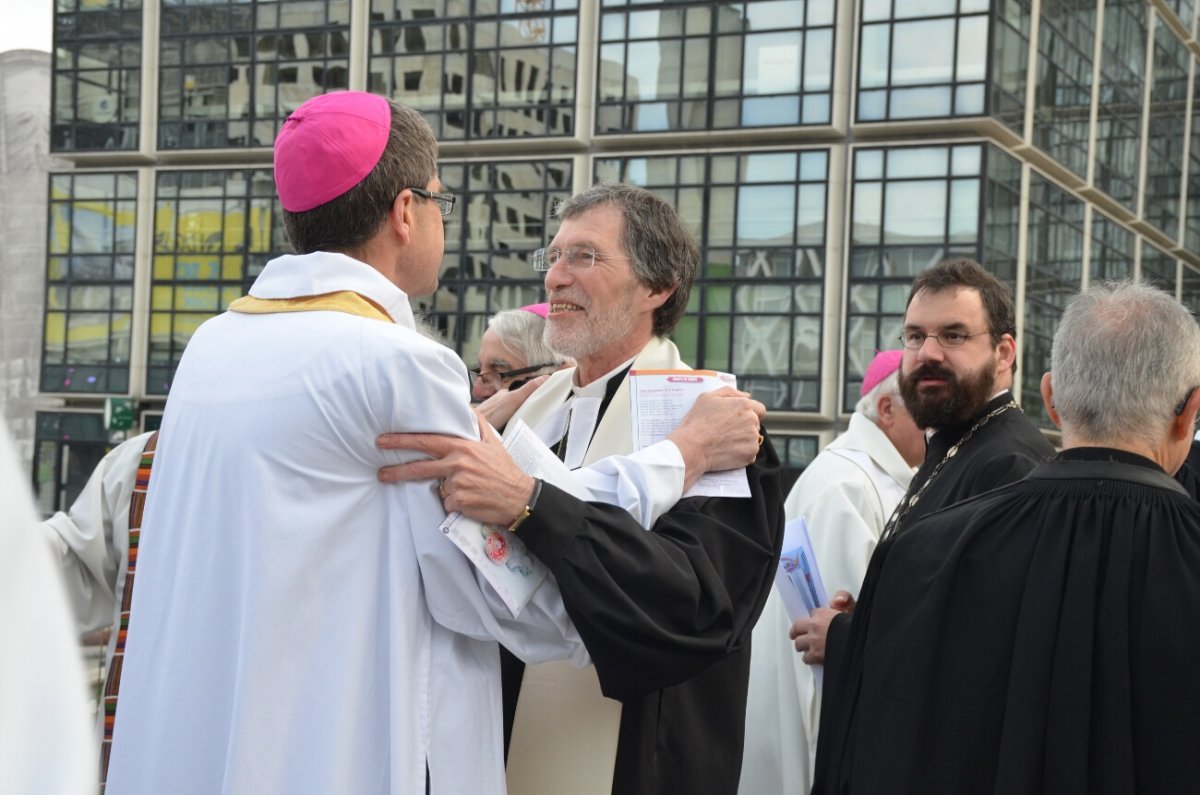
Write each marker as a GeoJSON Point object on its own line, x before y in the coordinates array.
{"type": "Point", "coordinates": [502, 71]}
{"type": "Point", "coordinates": [763, 63]}
{"type": "Point", "coordinates": [757, 305]}
{"type": "Point", "coordinates": [1157, 268]}
{"type": "Point", "coordinates": [88, 305]}
{"type": "Point", "coordinates": [1189, 288]}
{"type": "Point", "coordinates": [229, 78]}
{"type": "Point", "coordinates": [922, 62]}
{"type": "Point", "coordinates": [506, 215]}
{"type": "Point", "coordinates": [214, 230]}
{"type": "Point", "coordinates": [1119, 110]}
{"type": "Point", "coordinates": [1166, 133]}
{"type": "Point", "coordinates": [907, 213]}
{"type": "Point", "coordinates": [1112, 250]}
{"type": "Point", "coordinates": [914, 212]}
{"type": "Point", "coordinates": [1053, 275]}
{"type": "Point", "coordinates": [97, 76]}
{"type": "Point", "coordinates": [1064, 73]}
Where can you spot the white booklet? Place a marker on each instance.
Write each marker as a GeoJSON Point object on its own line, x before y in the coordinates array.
{"type": "Point", "coordinates": [500, 556]}
{"type": "Point", "coordinates": [798, 578]}
{"type": "Point", "coordinates": [659, 399]}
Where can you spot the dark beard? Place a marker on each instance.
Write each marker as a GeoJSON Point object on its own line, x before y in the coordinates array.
{"type": "Point", "coordinates": [964, 397]}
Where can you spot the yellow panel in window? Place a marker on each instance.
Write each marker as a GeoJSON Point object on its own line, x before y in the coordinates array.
{"type": "Point", "coordinates": [229, 295]}
{"type": "Point", "coordinates": [160, 298]}
{"type": "Point", "coordinates": [198, 268]}
{"type": "Point", "coordinates": [196, 299]}
{"type": "Point", "coordinates": [56, 330]}
{"type": "Point", "coordinates": [235, 228]}
{"type": "Point", "coordinates": [260, 227]}
{"type": "Point", "coordinates": [164, 227]}
{"type": "Point", "coordinates": [164, 268]}
{"type": "Point", "coordinates": [231, 267]}
{"type": "Point", "coordinates": [199, 230]}
{"type": "Point", "coordinates": [87, 331]}
{"type": "Point", "coordinates": [57, 270]}
{"type": "Point", "coordinates": [126, 217]}
{"type": "Point", "coordinates": [186, 325]}
{"type": "Point", "coordinates": [160, 325]}
{"type": "Point", "coordinates": [60, 228]}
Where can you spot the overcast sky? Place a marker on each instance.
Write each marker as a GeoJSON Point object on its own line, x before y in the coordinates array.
{"type": "Point", "coordinates": [26, 24]}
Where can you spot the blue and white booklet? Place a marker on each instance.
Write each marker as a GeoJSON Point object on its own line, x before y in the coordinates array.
{"type": "Point", "coordinates": [798, 578]}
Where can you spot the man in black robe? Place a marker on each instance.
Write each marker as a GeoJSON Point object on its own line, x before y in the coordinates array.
{"type": "Point", "coordinates": [955, 377]}
{"type": "Point", "coordinates": [666, 615]}
{"type": "Point", "coordinates": [1040, 638]}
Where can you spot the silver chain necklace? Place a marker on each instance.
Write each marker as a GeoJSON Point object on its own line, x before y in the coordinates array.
{"type": "Point", "coordinates": [907, 503]}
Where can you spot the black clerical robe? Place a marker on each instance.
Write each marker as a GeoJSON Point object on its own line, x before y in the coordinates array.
{"type": "Point", "coordinates": [1001, 451]}
{"type": "Point", "coordinates": [666, 614]}
{"type": "Point", "coordinates": [1189, 474]}
{"type": "Point", "coordinates": [1036, 639]}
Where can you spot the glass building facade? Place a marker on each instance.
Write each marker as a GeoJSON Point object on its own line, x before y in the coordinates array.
{"type": "Point", "coordinates": [823, 152]}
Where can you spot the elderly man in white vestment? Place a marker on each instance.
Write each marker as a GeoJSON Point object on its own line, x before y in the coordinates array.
{"type": "Point", "coordinates": [666, 614]}
{"type": "Point", "coordinates": [846, 496]}
{"type": "Point", "coordinates": [296, 627]}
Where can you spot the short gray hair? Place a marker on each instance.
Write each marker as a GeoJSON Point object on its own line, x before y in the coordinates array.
{"type": "Point", "coordinates": [521, 332]}
{"type": "Point", "coordinates": [1124, 355]}
{"type": "Point", "coordinates": [868, 404]}
{"type": "Point", "coordinates": [662, 252]}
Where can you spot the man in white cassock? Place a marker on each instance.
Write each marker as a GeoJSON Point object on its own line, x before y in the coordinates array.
{"type": "Point", "coordinates": [845, 496]}
{"type": "Point", "coordinates": [295, 626]}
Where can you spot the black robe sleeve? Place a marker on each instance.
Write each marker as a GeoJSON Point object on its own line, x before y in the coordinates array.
{"type": "Point", "coordinates": [656, 607]}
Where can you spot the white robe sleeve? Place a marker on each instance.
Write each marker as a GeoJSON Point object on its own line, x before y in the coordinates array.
{"type": "Point", "coordinates": [91, 539]}
{"type": "Point", "coordinates": [458, 597]}
{"type": "Point", "coordinates": [844, 518]}
{"type": "Point", "coordinates": [646, 483]}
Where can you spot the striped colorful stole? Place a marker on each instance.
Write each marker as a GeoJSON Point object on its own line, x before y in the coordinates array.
{"type": "Point", "coordinates": [112, 684]}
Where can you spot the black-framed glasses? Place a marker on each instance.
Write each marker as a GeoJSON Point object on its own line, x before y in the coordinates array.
{"type": "Point", "coordinates": [495, 380]}
{"type": "Point", "coordinates": [445, 201]}
{"type": "Point", "coordinates": [913, 339]}
{"type": "Point", "coordinates": [577, 257]}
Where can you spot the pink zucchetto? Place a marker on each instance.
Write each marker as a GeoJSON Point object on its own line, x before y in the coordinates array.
{"type": "Point", "coordinates": [538, 309]}
{"type": "Point", "coordinates": [328, 145]}
{"type": "Point", "coordinates": [884, 364]}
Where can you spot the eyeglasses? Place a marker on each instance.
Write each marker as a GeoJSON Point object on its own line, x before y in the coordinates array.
{"type": "Point", "coordinates": [495, 380]}
{"type": "Point", "coordinates": [445, 201]}
{"type": "Point", "coordinates": [577, 257]}
{"type": "Point", "coordinates": [913, 339]}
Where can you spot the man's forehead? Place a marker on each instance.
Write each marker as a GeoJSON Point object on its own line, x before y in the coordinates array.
{"type": "Point", "coordinates": [596, 226]}
{"type": "Point", "coordinates": [951, 307]}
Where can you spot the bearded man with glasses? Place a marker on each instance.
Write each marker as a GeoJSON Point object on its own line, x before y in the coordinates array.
{"type": "Point", "coordinates": [1040, 637]}
{"type": "Point", "coordinates": [955, 378]}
